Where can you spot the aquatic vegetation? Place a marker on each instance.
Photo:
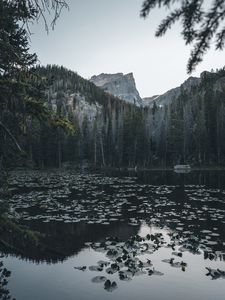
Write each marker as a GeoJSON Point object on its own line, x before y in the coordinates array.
{"type": "Point", "coordinates": [215, 273]}
{"type": "Point", "coordinates": [110, 286]}
{"type": "Point", "coordinates": [93, 199]}
{"type": "Point", "coordinates": [99, 279]}
{"type": "Point", "coordinates": [83, 268]}
{"type": "Point", "coordinates": [106, 214]}
{"type": "Point", "coordinates": [125, 258]}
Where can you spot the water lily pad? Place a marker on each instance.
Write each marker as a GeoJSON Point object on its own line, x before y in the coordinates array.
{"type": "Point", "coordinates": [110, 286]}
{"type": "Point", "coordinates": [82, 268]}
{"type": "Point", "coordinates": [95, 268]}
{"type": "Point", "coordinates": [99, 279]}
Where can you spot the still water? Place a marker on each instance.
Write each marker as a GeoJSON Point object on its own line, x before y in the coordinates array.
{"type": "Point", "coordinates": [148, 235]}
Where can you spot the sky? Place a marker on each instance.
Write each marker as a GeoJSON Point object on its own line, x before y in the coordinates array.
{"type": "Point", "coordinates": [105, 36]}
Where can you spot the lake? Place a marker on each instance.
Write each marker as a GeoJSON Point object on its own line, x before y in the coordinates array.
{"type": "Point", "coordinates": [118, 235]}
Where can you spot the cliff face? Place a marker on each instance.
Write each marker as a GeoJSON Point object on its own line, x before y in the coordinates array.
{"type": "Point", "coordinates": [172, 94]}
{"type": "Point", "coordinates": [188, 86]}
{"type": "Point", "coordinates": [124, 87]}
{"type": "Point", "coordinates": [119, 85]}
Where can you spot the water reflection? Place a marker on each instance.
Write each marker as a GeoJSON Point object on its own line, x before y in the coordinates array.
{"type": "Point", "coordinates": [64, 240]}
{"type": "Point", "coordinates": [106, 213]}
{"type": "Point", "coordinates": [4, 279]}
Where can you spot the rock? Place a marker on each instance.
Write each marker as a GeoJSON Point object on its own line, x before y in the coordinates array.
{"type": "Point", "coordinates": [172, 94]}
{"type": "Point", "coordinates": [119, 85]}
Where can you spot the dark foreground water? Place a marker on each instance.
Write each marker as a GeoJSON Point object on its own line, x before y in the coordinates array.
{"type": "Point", "coordinates": [155, 235]}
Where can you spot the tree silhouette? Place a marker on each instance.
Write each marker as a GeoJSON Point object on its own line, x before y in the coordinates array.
{"type": "Point", "coordinates": [21, 91]}
{"type": "Point", "coordinates": [202, 24]}
{"type": "Point", "coordinates": [39, 9]}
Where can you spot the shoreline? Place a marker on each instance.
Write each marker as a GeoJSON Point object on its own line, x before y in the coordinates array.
{"type": "Point", "coordinates": [118, 169]}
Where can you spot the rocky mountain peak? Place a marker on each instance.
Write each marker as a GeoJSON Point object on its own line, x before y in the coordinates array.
{"type": "Point", "coordinates": [120, 85]}
{"type": "Point", "coordinates": [191, 82]}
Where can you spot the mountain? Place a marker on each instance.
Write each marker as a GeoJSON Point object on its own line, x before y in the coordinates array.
{"type": "Point", "coordinates": [188, 86]}
{"type": "Point", "coordinates": [172, 94]}
{"type": "Point", "coordinates": [186, 124]}
{"type": "Point", "coordinates": [148, 101]}
{"type": "Point", "coordinates": [124, 87]}
{"type": "Point", "coordinates": [119, 85]}
{"type": "Point", "coordinates": [107, 129]}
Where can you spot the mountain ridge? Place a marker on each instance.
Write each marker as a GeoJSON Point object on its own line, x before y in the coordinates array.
{"type": "Point", "coordinates": [123, 86]}
{"type": "Point", "coordinates": [113, 132]}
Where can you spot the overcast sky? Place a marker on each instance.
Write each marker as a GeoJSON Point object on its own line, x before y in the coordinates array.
{"type": "Point", "coordinates": [105, 36]}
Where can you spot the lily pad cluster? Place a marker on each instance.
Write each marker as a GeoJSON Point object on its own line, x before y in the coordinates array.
{"type": "Point", "coordinates": [215, 273]}
{"type": "Point", "coordinates": [95, 199]}
{"type": "Point", "coordinates": [193, 215]}
{"type": "Point", "coordinates": [194, 212]}
{"type": "Point", "coordinates": [132, 258]}
{"type": "Point", "coordinates": [127, 259]}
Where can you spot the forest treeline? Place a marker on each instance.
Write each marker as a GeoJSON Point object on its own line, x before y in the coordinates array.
{"type": "Point", "coordinates": [111, 132]}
